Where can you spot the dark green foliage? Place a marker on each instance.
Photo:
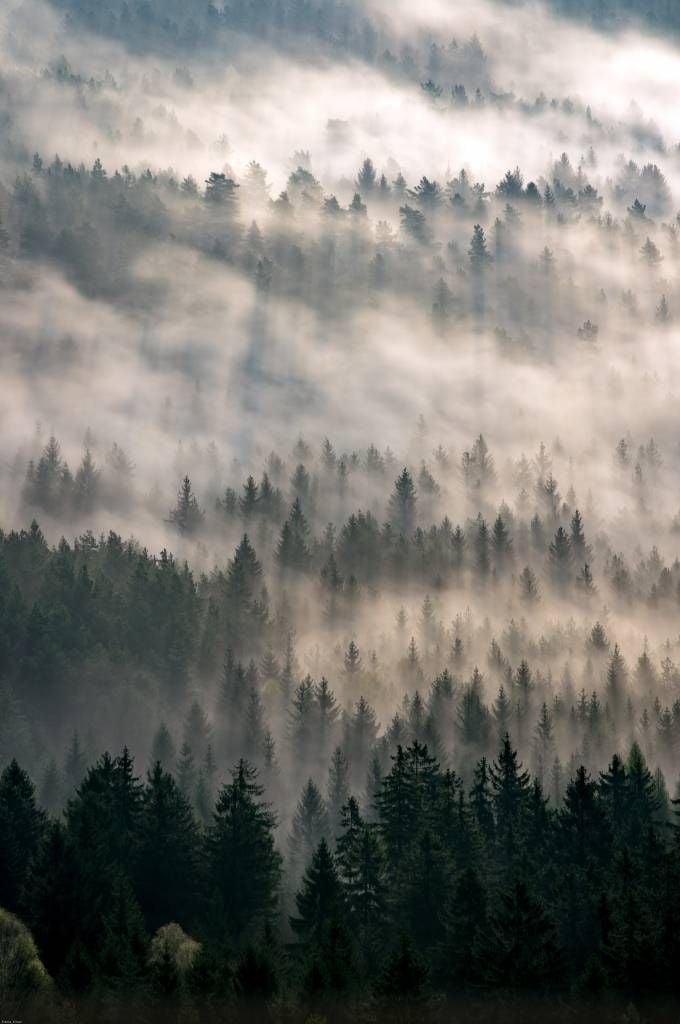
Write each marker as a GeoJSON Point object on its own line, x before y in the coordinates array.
{"type": "Point", "coordinates": [22, 826]}
{"type": "Point", "coordinates": [244, 867]}
{"type": "Point", "coordinates": [167, 863]}
{"type": "Point", "coordinates": [520, 950]}
{"type": "Point", "coordinates": [404, 976]}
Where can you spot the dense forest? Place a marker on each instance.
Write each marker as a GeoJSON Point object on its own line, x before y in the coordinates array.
{"type": "Point", "coordinates": [339, 511]}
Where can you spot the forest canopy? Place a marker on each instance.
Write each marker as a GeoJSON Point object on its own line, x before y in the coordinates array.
{"type": "Point", "coordinates": [339, 516]}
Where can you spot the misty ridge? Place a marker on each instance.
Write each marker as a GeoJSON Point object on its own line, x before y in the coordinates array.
{"type": "Point", "coordinates": [339, 504]}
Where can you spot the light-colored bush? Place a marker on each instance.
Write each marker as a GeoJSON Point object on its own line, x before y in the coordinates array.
{"type": "Point", "coordinates": [171, 939]}
{"type": "Point", "coordinates": [21, 971]}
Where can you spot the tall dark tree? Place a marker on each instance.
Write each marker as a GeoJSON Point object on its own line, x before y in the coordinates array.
{"type": "Point", "coordinates": [22, 828]}
{"type": "Point", "coordinates": [244, 867]}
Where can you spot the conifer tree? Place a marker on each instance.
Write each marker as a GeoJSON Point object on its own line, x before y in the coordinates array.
{"type": "Point", "coordinates": [22, 827]}
{"type": "Point", "coordinates": [310, 825]}
{"type": "Point", "coordinates": [187, 515]}
{"type": "Point", "coordinates": [167, 862]}
{"type": "Point", "coordinates": [402, 504]}
{"type": "Point", "coordinates": [521, 949]}
{"type": "Point", "coordinates": [244, 867]}
{"type": "Point", "coordinates": [337, 792]}
{"type": "Point", "coordinates": [510, 787]}
{"type": "Point", "coordinates": [163, 748]}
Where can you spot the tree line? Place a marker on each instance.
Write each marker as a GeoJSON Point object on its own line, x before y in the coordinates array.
{"type": "Point", "coordinates": [433, 885]}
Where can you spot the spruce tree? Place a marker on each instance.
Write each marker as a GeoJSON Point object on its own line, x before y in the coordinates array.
{"type": "Point", "coordinates": [243, 865]}
{"type": "Point", "coordinates": [22, 828]}
{"type": "Point", "coordinates": [167, 863]}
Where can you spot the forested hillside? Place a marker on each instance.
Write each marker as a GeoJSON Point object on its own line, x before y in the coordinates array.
{"type": "Point", "coordinates": [339, 512]}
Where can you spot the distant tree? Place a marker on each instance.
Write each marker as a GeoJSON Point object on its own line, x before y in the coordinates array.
{"type": "Point", "coordinates": [187, 515]}
{"type": "Point", "coordinates": [163, 748]}
{"type": "Point", "coordinates": [650, 254]}
{"type": "Point", "coordinates": [352, 659]}
{"type": "Point", "coordinates": [402, 504]}
{"type": "Point", "coordinates": [478, 253]}
{"type": "Point", "coordinates": [310, 825]}
{"type": "Point", "coordinates": [428, 193]}
{"type": "Point", "coordinates": [337, 792]}
{"type": "Point", "coordinates": [415, 225]}
{"type": "Point", "coordinates": [221, 190]}
{"type": "Point", "coordinates": [528, 586]}
{"type": "Point", "coordinates": [366, 178]}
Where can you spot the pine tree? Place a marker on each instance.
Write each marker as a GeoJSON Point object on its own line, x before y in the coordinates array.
{"type": "Point", "coordinates": [197, 731]}
{"type": "Point", "coordinates": [221, 190]}
{"type": "Point", "coordinates": [186, 772]}
{"type": "Point", "coordinates": [366, 178]}
{"type": "Point", "coordinates": [22, 827]}
{"type": "Point", "coordinates": [361, 736]}
{"type": "Point", "coordinates": [301, 729]}
{"type": "Point", "coordinates": [361, 866]}
{"type": "Point", "coordinates": [521, 950]}
{"type": "Point", "coordinates": [292, 551]}
{"type": "Point", "coordinates": [168, 855]}
{"type": "Point", "coordinates": [319, 923]}
{"type": "Point", "coordinates": [163, 748]}
{"type": "Point", "coordinates": [528, 586]}
{"type": "Point", "coordinates": [560, 558]}
{"type": "Point", "coordinates": [352, 659]}
{"type": "Point", "coordinates": [613, 788]}
{"type": "Point", "coordinates": [244, 867]}
{"type": "Point", "coordinates": [320, 897]}
{"type": "Point", "coordinates": [187, 515]}
{"type": "Point", "coordinates": [582, 823]}
{"type": "Point", "coordinates": [51, 789]}
{"type": "Point", "coordinates": [402, 504]}
{"type": "Point", "coordinates": [310, 825]}
{"type": "Point", "coordinates": [465, 922]}
{"type": "Point", "coordinates": [478, 253]}
{"type": "Point", "coordinates": [642, 797]}
{"type": "Point", "coordinates": [543, 742]}
{"type": "Point", "coordinates": [616, 680]}
{"type": "Point", "coordinates": [481, 801]}
{"type": "Point", "coordinates": [501, 713]}
{"type": "Point", "coordinates": [337, 792]}
{"type": "Point", "coordinates": [121, 955]}
{"type": "Point", "coordinates": [501, 544]}
{"type": "Point", "coordinates": [75, 764]}
{"type": "Point", "coordinates": [405, 975]}
{"type": "Point", "coordinates": [255, 728]}
{"type": "Point", "coordinates": [244, 573]}
{"type": "Point", "coordinates": [511, 788]}
{"type": "Point", "coordinates": [86, 485]}
{"type": "Point", "coordinates": [248, 503]}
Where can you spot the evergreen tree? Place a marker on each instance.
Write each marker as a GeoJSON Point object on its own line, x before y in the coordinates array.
{"type": "Point", "coordinates": [337, 792]}
{"type": "Point", "coordinates": [243, 865]}
{"type": "Point", "coordinates": [521, 950]}
{"type": "Point", "coordinates": [167, 862]}
{"type": "Point", "coordinates": [22, 828]}
{"type": "Point", "coordinates": [163, 748]}
{"type": "Point", "coordinates": [511, 788]}
{"type": "Point", "coordinates": [478, 253]}
{"type": "Point", "coordinates": [187, 515]}
{"type": "Point", "coordinates": [310, 826]}
{"type": "Point", "coordinates": [404, 976]}
{"type": "Point", "coordinates": [402, 504]}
